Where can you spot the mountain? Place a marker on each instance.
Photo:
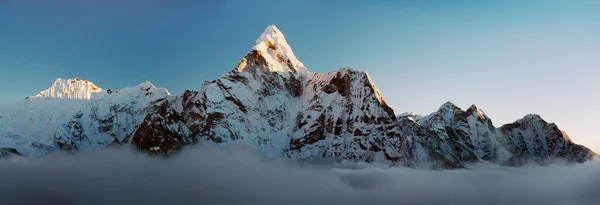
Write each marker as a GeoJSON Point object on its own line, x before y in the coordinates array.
{"type": "Point", "coordinates": [81, 118]}
{"type": "Point", "coordinates": [271, 101]}
{"type": "Point", "coordinates": [70, 89]}
{"type": "Point", "coordinates": [470, 136]}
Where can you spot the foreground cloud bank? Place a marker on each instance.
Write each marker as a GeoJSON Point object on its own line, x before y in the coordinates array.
{"type": "Point", "coordinates": [209, 175]}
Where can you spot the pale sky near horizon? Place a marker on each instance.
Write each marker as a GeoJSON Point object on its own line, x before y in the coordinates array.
{"type": "Point", "coordinates": [511, 58]}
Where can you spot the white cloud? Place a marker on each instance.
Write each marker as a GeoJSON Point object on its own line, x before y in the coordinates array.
{"type": "Point", "coordinates": [209, 175]}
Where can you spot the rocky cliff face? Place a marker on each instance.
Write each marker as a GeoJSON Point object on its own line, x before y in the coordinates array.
{"type": "Point", "coordinates": [469, 136]}
{"type": "Point", "coordinates": [162, 132]}
{"type": "Point", "coordinates": [272, 102]}
{"type": "Point", "coordinates": [531, 139]}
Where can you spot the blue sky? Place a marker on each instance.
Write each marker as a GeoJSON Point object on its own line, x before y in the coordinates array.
{"type": "Point", "coordinates": [511, 58]}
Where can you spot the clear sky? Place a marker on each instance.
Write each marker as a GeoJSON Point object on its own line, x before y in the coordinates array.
{"type": "Point", "coordinates": [510, 57]}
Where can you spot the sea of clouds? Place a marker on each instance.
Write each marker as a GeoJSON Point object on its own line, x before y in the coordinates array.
{"type": "Point", "coordinates": [210, 175]}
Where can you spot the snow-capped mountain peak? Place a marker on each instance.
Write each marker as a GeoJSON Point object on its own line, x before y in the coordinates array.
{"type": "Point", "coordinates": [271, 51]}
{"type": "Point", "coordinates": [448, 105]}
{"type": "Point", "coordinates": [477, 111]}
{"type": "Point", "coordinates": [271, 37]}
{"type": "Point", "coordinates": [70, 88]}
{"type": "Point", "coordinates": [410, 115]}
{"type": "Point", "coordinates": [451, 109]}
{"type": "Point", "coordinates": [146, 89]}
{"type": "Point", "coordinates": [407, 114]}
{"type": "Point", "coordinates": [148, 86]}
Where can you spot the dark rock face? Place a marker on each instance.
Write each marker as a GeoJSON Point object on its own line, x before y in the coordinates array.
{"type": "Point", "coordinates": [533, 139]}
{"type": "Point", "coordinates": [426, 148]}
{"type": "Point", "coordinates": [294, 86]}
{"type": "Point", "coordinates": [341, 83]}
{"type": "Point", "coordinates": [8, 152]}
{"type": "Point", "coordinates": [457, 136]}
{"type": "Point", "coordinates": [345, 119]}
{"type": "Point", "coordinates": [469, 136]}
{"type": "Point", "coordinates": [163, 132]}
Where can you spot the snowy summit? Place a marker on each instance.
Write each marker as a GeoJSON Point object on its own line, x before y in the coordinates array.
{"type": "Point", "coordinates": [272, 46]}
{"type": "Point", "coordinates": [70, 89]}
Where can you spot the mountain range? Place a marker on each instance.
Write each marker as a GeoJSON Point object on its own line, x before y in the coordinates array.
{"type": "Point", "coordinates": [270, 101]}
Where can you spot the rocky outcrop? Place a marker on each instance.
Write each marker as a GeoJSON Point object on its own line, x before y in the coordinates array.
{"type": "Point", "coordinates": [343, 116]}
{"type": "Point", "coordinates": [8, 152]}
{"type": "Point", "coordinates": [531, 139]}
{"type": "Point", "coordinates": [162, 132]}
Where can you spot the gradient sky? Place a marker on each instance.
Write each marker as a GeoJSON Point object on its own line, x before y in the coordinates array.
{"type": "Point", "coordinates": [511, 57]}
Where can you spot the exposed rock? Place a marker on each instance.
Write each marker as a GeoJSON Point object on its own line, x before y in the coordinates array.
{"type": "Point", "coordinates": [8, 152]}
{"type": "Point", "coordinates": [531, 138]}
{"type": "Point", "coordinates": [162, 132]}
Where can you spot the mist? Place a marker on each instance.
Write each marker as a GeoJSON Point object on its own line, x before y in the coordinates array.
{"type": "Point", "coordinates": [206, 174]}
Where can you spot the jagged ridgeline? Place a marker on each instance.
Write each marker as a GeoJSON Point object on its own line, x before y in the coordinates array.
{"type": "Point", "coordinates": [272, 102]}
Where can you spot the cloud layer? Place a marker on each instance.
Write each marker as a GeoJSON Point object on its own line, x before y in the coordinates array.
{"type": "Point", "coordinates": [210, 175]}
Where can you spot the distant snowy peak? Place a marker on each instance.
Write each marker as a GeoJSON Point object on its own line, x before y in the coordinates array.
{"type": "Point", "coordinates": [79, 89]}
{"type": "Point", "coordinates": [410, 115]}
{"type": "Point", "coordinates": [450, 109]}
{"type": "Point", "coordinates": [144, 88]}
{"type": "Point", "coordinates": [272, 53]}
{"type": "Point", "coordinates": [474, 110]}
{"type": "Point", "coordinates": [70, 89]}
{"type": "Point", "coordinates": [449, 114]}
{"type": "Point", "coordinates": [407, 114]}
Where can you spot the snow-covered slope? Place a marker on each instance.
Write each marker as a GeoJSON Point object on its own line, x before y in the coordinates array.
{"type": "Point", "coordinates": [271, 102]}
{"type": "Point", "coordinates": [39, 125]}
{"type": "Point", "coordinates": [70, 89]}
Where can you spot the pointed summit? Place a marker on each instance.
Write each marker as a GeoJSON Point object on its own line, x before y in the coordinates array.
{"type": "Point", "coordinates": [479, 112]}
{"type": "Point", "coordinates": [272, 38]}
{"type": "Point", "coordinates": [272, 53]}
{"type": "Point", "coordinates": [473, 107]}
{"type": "Point", "coordinates": [70, 88]}
{"type": "Point", "coordinates": [448, 106]}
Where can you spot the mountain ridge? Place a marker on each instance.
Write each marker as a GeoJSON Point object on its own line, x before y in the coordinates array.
{"type": "Point", "coordinates": [271, 101]}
